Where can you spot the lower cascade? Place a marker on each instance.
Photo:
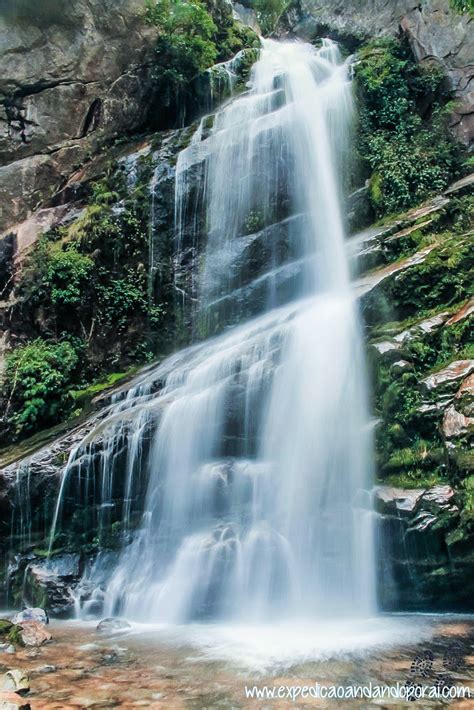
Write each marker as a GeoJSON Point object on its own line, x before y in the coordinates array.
{"type": "Point", "coordinates": [243, 463]}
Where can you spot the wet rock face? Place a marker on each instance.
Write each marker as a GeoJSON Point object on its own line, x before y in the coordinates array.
{"type": "Point", "coordinates": [424, 558]}
{"type": "Point", "coordinates": [435, 33]}
{"type": "Point", "coordinates": [50, 582]}
{"type": "Point", "coordinates": [70, 81]}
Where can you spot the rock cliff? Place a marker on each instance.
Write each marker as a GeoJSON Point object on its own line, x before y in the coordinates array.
{"type": "Point", "coordinates": [436, 33]}
{"type": "Point", "coordinates": [71, 80]}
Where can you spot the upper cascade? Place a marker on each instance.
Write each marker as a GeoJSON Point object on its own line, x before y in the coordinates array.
{"type": "Point", "coordinates": [248, 466]}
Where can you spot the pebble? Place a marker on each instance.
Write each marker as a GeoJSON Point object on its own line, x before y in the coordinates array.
{"type": "Point", "coordinates": [34, 653]}
{"type": "Point", "coordinates": [46, 669]}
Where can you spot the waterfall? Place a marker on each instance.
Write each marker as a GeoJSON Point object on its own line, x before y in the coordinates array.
{"type": "Point", "coordinates": [252, 449]}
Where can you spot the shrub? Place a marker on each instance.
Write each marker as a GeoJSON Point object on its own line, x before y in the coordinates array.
{"type": "Point", "coordinates": [119, 300]}
{"type": "Point", "coordinates": [66, 274]}
{"type": "Point", "coordinates": [403, 133]}
{"type": "Point", "coordinates": [87, 288]}
{"type": "Point", "coordinates": [38, 377]}
{"type": "Point", "coordinates": [190, 41]}
{"type": "Point", "coordinates": [462, 6]}
{"type": "Point", "coordinates": [184, 47]}
{"type": "Point", "coordinates": [268, 13]}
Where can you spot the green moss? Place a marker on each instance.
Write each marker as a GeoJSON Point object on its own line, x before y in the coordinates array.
{"type": "Point", "coordinates": [445, 276]}
{"type": "Point", "coordinates": [5, 627]}
{"type": "Point", "coordinates": [411, 480]}
{"type": "Point", "coordinates": [14, 636]}
{"type": "Point", "coordinates": [375, 191]}
{"type": "Point", "coordinates": [103, 385]}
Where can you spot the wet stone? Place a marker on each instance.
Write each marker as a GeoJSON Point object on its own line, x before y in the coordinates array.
{"type": "Point", "coordinates": [16, 681]}
{"type": "Point", "coordinates": [112, 624]}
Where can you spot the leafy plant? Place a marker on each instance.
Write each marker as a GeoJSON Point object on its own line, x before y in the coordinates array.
{"type": "Point", "coordinates": [190, 40]}
{"type": "Point", "coordinates": [403, 132]}
{"type": "Point", "coordinates": [184, 46]}
{"type": "Point", "coordinates": [38, 377]}
{"type": "Point", "coordinates": [66, 273]}
{"type": "Point", "coordinates": [462, 6]}
{"type": "Point", "coordinates": [269, 12]}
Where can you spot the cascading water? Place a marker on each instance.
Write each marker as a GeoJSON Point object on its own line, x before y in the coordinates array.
{"type": "Point", "coordinates": [254, 446]}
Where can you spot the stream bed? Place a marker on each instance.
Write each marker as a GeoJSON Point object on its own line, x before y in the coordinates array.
{"type": "Point", "coordinates": [212, 666]}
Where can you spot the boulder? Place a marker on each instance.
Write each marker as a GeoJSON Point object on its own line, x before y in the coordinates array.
{"type": "Point", "coordinates": [448, 377]}
{"type": "Point", "coordinates": [424, 550]}
{"type": "Point", "coordinates": [46, 669]}
{"type": "Point", "coordinates": [31, 614]}
{"type": "Point", "coordinates": [34, 634]}
{"type": "Point", "coordinates": [464, 398]}
{"type": "Point", "coordinates": [401, 366]}
{"type": "Point", "coordinates": [441, 496]}
{"type": "Point", "coordinates": [463, 313]}
{"type": "Point", "coordinates": [456, 424]}
{"type": "Point", "coordinates": [397, 500]}
{"type": "Point", "coordinates": [69, 83]}
{"type": "Point", "coordinates": [387, 347]}
{"type": "Point", "coordinates": [16, 681]}
{"type": "Point", "coordinates": [50, 581]}
{"type": "Point", "coordinates": [424, 327]}
{"type": "Point", "coordinates": [13, 701]}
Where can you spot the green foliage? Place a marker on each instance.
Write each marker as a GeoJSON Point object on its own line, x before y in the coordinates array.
{"type": "Point", "coordinates": [445, 276]}
{"type": "Point", "coordinates": [122, 298]}
{"type": "Point", "coordinates": [37, 380]}
{"type": "Point", "coordinates": [190, 41]}
{"type": "Point", "coordinates": [184, 47]}
{"type": "Point", "coordinates": [403, 130]}
{"type": "Point", "coordinates": [89, 301]}
{"type": "Point", "coordinates": [462, 6]}
{"type": "Point", "coordinates": [269, 12]}
{"type": "Point", "coordinates": [254, 222]}
{"type": "Point", "coordinates": [66, 274]}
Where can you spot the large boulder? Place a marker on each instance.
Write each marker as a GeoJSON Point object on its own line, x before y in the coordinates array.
{"type": "Point", "coordinates": [33, 633]}
{"type": "Point", "coordinates": [51, 582]}
{"type": "Point", "coordinates": [31, 614]}
{"type": "Point", "coordinates": [73, 76]}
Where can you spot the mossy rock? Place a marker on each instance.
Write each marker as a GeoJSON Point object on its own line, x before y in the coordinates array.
{"type": "Point", "coordinates": [10, 633]}
{"type": "Point", "coordinates": [5, 627]}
